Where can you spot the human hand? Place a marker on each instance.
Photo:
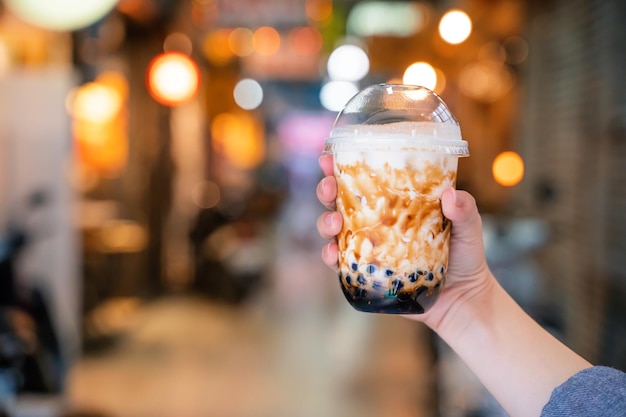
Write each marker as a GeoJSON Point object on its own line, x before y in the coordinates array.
{"type": "Point", "coordinates": [468, 275]}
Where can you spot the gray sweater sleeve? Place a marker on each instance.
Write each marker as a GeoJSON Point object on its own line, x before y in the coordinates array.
{"type": "Point", "coordinates": [597, 391]}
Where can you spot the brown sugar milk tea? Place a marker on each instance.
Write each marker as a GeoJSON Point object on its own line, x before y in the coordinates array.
{"type": "Point", "coordinates": [395, 151]}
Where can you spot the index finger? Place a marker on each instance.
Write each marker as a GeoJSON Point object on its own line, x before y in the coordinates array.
{"type": "Point", "coordinates": [326, 163]}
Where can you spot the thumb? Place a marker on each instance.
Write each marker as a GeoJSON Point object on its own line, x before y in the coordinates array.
{"type": "Point", "coordinates": [460, 208]}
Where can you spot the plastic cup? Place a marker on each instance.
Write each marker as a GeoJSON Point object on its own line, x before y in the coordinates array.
{"type": "Point", "coordinates": [395, 150]}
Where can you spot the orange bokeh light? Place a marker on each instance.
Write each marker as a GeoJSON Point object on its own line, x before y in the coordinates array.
{"type": "Point", "coordinates": [239, 138]}
{"type": "Point", "coordinates": [266, 41]}
{"type": "Point", "coordinates": [318, 10]}
{"type": "Point", "coordinates": [173, 78]}
{"type": "Point", "coordinates": [240, 41]}
{"type": "Point", "coordinates": [306, 40]}
{"type": "Point", "coordinates": [215, 47]}
{"type": "Point", "coordinates": [508, 168]}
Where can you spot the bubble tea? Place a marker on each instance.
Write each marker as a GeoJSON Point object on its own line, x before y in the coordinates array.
{"type": "Point", "coordinates": [395, 150]}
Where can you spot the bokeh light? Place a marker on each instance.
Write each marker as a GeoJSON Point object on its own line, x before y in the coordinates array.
{"type": "Point", "coordinates": [486, 82]}
{"type": "Point", "coordinates": [455, 26]}
{"type": "Point", "coordinates": [5, 58]}
{"type": "Point", "coordinates": [318, 10]}
{"type": "Point", "coordinates": [386, 18]}
{"type": "Point", "coordinates": [335, 94]}
{"type": "Point", "coordinates": [306, 40]}
{"type": "Point", "coordinates": [422, 74]}
{"type": "Point", "coordinates": [216, 48]}
{"type": "Point", "coordinates": [123, 236]}
{"type": "Point", "coordinates": [206, 194]}
{"type": "Point", "coordinates": [516, 49]}
{"type": "Point", "coordinates": [248, 94]}
{"type": "Point", "coordinates": [173, 78]}
{"type": "Point", "coordinates": [178, 42]}
{"type": "Point", "coordinates": [508, 168]}
{"type": "Point", "coordinates": [96, 103]}
{"type": "Point", "coordinates": [241, 42]}
{"type": "Point", "coordinates": [60, 15]}
{"type": "Point", "coordinates": [266, 41]}
{"type": "Point", "coordinates": [239, 138]}
{"type": "Point", "coordinates": [348, 63]}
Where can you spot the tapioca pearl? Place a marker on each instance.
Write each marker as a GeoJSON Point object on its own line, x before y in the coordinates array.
{"type": "Point", "coordinates": [377, 285]}
{"type": "Point", "coordinates": [397, 284]}
{"type": "Point", "coordinates": [348, 279]}
{"type": "Point", "coordinates": [360, 294]}
{"type": "Point", "coordinates": [430, 276]}
{"type": "Point", "coordinates": [371, 269]}
{"type": "Point", "coordinates": [442, 269]}
{"type": "Point", "coordinates": [412, 277]}
{"type": "Point", "coordinates": [354, 266]}
{"type": "Point", "coordinates": [361, 279]}
{"type": "Point", "coordinates": [388, 272]}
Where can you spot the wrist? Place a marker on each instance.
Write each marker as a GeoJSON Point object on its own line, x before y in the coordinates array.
{"type": "Point", "coordinates": [467, 303]}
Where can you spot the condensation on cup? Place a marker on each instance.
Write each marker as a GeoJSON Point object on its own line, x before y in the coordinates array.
{"type": "Point", "coordinates": [395, 150]}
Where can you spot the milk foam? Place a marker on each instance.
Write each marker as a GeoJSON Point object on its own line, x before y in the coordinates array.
{"type": "Point", "coordinates": [399, 136]}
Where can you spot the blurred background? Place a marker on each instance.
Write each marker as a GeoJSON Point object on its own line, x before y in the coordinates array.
{"type": "Point", "coordinates": [158, 164]}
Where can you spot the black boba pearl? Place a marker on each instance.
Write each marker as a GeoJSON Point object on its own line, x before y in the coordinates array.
{"type": "Point", "coordinates": [371, 269]}
{"type": "Point", "coordinates": [412, 277]}
{"type": "Point", "coordinates": [404, 297]}
{"type": "Point", "coordinates": [361, 279]}
{"type": "Point", "coordinates": [348, 279]}
{"type": "Point", "coordinates": [442, 269]}
{"type": "Point", "coordinates": [438, 284]}
{"type": "Point", "coordinates": [430, 276]}
{"type": "Point", "coordinates": [354, 266]}
{"type": "Point", "coordinates": [397, 285]}
{"type": "Point", "coordinates": [389, 272]}
{"type": "Point", "coordinates": [360, 294]}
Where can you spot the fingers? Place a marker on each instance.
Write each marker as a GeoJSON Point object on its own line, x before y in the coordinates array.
{"type": "Point", "coordinates": [330, 255]}
{"type": "Point", "coordinates": [327, 192]}
{"type": "Point", "coordinates": [326, 163]}
{"type": "Point", "coordinates": [460, 208]}
{"type": "Point", "coordinates": [329, 224]}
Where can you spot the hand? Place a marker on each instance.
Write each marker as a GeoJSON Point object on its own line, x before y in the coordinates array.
{"type": "Point", "coordinates": [468, 274]}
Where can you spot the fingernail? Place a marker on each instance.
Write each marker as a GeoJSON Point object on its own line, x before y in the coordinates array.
{"type": "Point", "coordinates": [328, 219]}
{"type": "Point", "coordinates": [457, 202]}
{"type": "Point", "coordinates": [325, 184]}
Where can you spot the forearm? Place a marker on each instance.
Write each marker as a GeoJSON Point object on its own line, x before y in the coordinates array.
{"type": "Point", "coordinates": [516, 359]}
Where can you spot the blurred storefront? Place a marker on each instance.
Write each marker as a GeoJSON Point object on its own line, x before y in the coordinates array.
{"type": "Point", "coordinates": [175, 145]}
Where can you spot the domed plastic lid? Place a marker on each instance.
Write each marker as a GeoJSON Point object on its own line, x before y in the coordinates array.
{"type": "Point", "coordinates": [396, 117]}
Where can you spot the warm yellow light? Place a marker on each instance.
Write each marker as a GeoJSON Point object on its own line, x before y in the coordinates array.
{"type": "Point", "coordinates": [216, 48]}
{"type": "Point", "coordinates": [240, 41]}
{"type": "Point", "coordinates": [173, 78]}
{"type": "Point", "coordinates": [239, 138]}
{"type": "Point", "coordinates": [455, 26]}
{"type": "Point", "coordinates": [96, 103]}
{"type": "Point", "coordinates": [123, 236]}
{"type": "Point", "coordinates": [420, 73]}
{"type": "Point", "coordinates": [266, 41]}
{"type": "Point", "coordinates": [508, 168]}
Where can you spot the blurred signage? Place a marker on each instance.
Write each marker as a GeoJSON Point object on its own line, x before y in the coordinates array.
{"type": "Point", "coordinates": [254, 13]}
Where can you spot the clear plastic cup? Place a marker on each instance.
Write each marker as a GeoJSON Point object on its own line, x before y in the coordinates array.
{"type": "Point", "coordinates": [395, 150]}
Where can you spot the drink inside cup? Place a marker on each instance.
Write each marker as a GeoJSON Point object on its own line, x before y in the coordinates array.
{"type": "Point", "coordinates": [395, 151]}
